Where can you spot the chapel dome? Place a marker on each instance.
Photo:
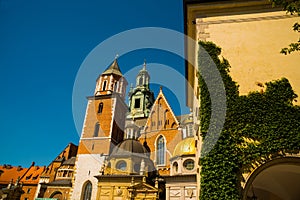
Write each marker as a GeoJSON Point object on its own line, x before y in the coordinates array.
{"type": "Point", "coordinates": [129, 147]}
{"type": "Point", "coordinates": [185, 147]}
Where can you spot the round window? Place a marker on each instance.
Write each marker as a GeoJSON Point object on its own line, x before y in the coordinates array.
{"type": "Point", "coordinates": [121, 165]}
{"type": "Point", "coordinates": [189, 164]}
{"type": "Point", "coordinates": [175, 166]}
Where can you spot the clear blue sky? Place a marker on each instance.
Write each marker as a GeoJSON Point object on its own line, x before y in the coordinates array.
{"type": "Point", "coordinates": [42, 46]}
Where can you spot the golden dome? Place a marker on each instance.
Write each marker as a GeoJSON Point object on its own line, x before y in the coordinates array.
{"type": "Point", "coordinates": [185, 147]}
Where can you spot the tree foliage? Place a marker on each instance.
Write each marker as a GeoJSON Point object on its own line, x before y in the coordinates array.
{"type": "Point", "coordinates": [258, 127]}
{"type": "Point", "coordinates": [291, 7]}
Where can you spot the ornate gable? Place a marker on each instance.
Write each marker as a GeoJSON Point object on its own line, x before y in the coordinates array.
{"type": "Point", "coordinates": [161, 116]}
{"type": "Point", "coordinates": [143, 190]}
{"type": "Point", "coordinates": [143, 187]}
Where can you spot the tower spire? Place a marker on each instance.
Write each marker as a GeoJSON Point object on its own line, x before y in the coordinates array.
{"type": "Point", "coordinates": [144, 65]}
{"type": "Point", "coordinates": [113, 69]}
{"type": "Point", "coordinates": [111, 81]}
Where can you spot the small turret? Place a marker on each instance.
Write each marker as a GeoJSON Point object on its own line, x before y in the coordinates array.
{"type": "Point", "coordinates": [111, 81]}
{"type": "Point", "coordinates": [141, 98]}
{"type": "Point", "coordinates": [132, 131]}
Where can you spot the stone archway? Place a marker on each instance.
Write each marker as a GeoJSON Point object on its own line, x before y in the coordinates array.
{"type": "Point", "coordinates": [278, 179]}
{"type": "Point", "coordinates": [57, 195]}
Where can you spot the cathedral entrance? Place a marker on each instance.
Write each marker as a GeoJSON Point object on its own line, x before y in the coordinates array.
{"type": "Point", "coordinates": [278, 179]}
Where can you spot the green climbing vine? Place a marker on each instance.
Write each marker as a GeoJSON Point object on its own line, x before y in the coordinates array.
{"type": "Point", "coordinates": [258, 127]}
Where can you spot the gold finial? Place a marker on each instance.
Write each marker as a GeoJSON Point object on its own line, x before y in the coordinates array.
{"type": "Point", "coordinates": [117, 56]}
{"type": "Point", "coordinates": [160, 88]}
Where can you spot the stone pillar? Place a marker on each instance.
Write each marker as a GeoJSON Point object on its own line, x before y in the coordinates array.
{"type": "Point", "coordinates": [182, 191]}
{"type": "Point", "coordinates": [168, 193]}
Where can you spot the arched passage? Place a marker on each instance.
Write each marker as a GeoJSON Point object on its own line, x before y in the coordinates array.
{"type": "Point", "coordinates": [57, 195]}
{"type": "Point", "coordinates": [278, 179]}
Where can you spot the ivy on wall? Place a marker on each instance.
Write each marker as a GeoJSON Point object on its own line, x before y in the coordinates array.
{"type": "Point", "coordinates": [258, 127]}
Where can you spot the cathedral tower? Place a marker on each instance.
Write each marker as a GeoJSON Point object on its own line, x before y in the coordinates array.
{"type": "Point", "coordinates": [141, 98]}
{"type": "Point", "coordinates": [102, 130]}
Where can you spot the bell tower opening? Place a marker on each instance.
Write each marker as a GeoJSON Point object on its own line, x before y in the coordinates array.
{"type": "Point", "coordinates": [111, 81]}
{"type": "Point", "coordinates": [137, 103]}
{"type": "Point", "coordinates": [140, 81]}
{"type": "Point", "coordinates": [104, 86]}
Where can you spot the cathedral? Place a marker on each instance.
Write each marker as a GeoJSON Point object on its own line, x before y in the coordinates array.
{"type": "Point", "coordinates": [142, 150]}
{"type": "Point", "coordinates": [136, 151]}
{"type": "Point", "coordinates": [139, 151]}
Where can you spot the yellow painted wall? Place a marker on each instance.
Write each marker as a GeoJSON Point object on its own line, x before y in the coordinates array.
{"type": "Point", "coordinates": [251, 43]}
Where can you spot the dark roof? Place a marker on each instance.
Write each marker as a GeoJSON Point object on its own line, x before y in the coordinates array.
{"type": "Point", "coordinates": [70, 161]}
{"type": "Point", "coordinates": [62, 182]}
{"type": "Point", "coordinates": [113, 69]}
{"type": "Point", "coordinates": [180, 178]}
{"type": "Point", "coordinates": [129, 148]}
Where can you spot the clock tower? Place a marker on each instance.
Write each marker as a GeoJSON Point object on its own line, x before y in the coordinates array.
{"type": "Point", "coordinates": [102, 130]}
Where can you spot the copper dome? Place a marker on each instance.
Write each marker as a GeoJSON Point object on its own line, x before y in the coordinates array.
{"type": "Point", "coordinates": [129, 147]}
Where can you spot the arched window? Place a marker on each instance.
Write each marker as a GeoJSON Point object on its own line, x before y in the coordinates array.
{"type": "Point", "coordinates": [87, 191]}
{"type": "Point", "coordinates": [173, 125]}
{"type": "Point", "coordinates": [175, 167]}
{"type": "Point", "coordinates": [100, 108]}
{"type": "Point", "coordinates": [116, 87]}
{"type": "Point", "coordinates": [153, 119]}
{"type": "Point", "coordinates": [160, 151]}
{"type": "Point", "coordinates": [141, 81]}
{"type": "Point", "coordinates": [190, 130]}
{"type": "Point", "coordinates": [96, 130]}
{"type": "Point", "coordinates": [128, 133]}
{"type": "Point", "coordinates": [104, 85]}
{"type": "Point", "coordinates": [165, 118]}
{"type": "Point", "coordinates": [184, 132]}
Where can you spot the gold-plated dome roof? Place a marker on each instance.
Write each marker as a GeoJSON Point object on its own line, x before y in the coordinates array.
{"type": "Point", "coordinates": [185, 147]}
